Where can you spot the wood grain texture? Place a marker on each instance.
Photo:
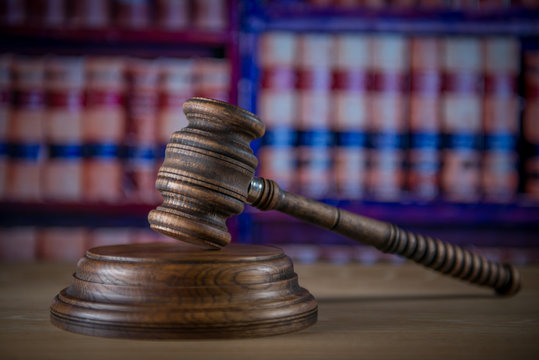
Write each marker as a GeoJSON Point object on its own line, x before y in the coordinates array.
{"type": "Point", "coordinates": [164, 290]}
{"type": "Point", "coordinates": [206, 173]}
{"type": "Point", "coordinates": [443, 257]}
{"type": "Point", "coordinates": [374, 312]}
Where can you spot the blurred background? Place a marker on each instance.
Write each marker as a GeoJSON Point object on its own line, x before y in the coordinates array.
{"type": "Point", "coordinates": [424, 113]}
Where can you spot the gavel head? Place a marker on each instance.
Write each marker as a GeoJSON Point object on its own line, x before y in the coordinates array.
{"type": "Point", "coordinates": [206, 173]}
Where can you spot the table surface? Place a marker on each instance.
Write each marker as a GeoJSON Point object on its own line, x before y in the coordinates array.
{"type": "Point", "coordinates": [374, 312]}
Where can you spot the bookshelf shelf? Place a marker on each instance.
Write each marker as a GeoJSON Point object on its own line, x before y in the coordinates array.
{"type": "Point", "coordinates": [82, 215]}
{"type": "Point", "coordinates": [121, 36]}
{"type": "Point", "coordinates": [511, 226]}
{"type": "Point", "coordinates": [116, 42]}
{"type": "Point", "coordinates": [305, 17]}
{"type": "Point", "coordinates": [73, 214]}
{"type": "Point", "coordinates": [522, 213]}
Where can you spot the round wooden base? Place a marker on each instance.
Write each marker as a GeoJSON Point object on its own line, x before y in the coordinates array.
{"type": "Point", "coordinates": [170, 291]}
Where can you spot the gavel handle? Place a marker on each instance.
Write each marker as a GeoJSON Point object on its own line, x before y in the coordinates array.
{"type": "Point", "coordinates": [443, 257]}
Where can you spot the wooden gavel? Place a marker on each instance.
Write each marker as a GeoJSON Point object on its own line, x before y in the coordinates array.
{"type": "Point", "coordinates": [208, 175]}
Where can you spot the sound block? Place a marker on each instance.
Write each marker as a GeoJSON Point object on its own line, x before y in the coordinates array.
{"type": "Point", "coordinates": [170, 291]}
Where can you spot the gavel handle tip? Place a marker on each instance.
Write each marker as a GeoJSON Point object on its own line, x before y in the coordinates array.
{"type": "Point", "coordinates": [513, 286]}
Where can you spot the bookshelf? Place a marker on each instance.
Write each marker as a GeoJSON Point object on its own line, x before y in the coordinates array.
{"type": "Point", "coordinates": [30, 38]}
{"type": "Point", "coordinates": [483, 222]}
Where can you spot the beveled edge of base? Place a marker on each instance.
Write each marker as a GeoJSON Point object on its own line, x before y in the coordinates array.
{"type": "Point", "coordinates": [170, 331]}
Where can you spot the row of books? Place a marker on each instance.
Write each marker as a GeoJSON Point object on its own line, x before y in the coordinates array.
{"type": "Point", "coordinates": [355, 116]}
{"type": "Point", "coordinates": [94, 128]}
{"type": "Point", "coordinates": [66, 244]}
{"type": "Point", "coordinates": [23, 244]}
{"type": "Point", "coordinates": [426, 4]}
{"type": "Point", "coordinates": [173, 15]}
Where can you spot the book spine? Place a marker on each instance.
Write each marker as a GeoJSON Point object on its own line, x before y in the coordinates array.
{"type": "Point", "coordinates": [54, 13]}
{"type": "Point", "coordinates": [210, 14]}
{"type": "Point", "coordinates": [26, 151]}
{"type": "Point", "coordinates": [277, 108]}
{"type": "Point", "coordinates": [351, 79]}
{"type": "Point", "coordinates": [109, 236]}
{"type": "Point", "coordinates": [314, 94]}
{"type": "Point", "coordinates": [425, 122]}
{"type": "Point", "coordinates": [176, 84]}
{"type": "Point", "coordinates": [347, 3]}
{"type": "Point", "coordinates": [527, 4]}
{"type": "Point", "coordinates": [13, 12]}
{"type": "Point", "coordinates": [464, 4]}
{"type": "Point", "coordinates": [18, 244]}
{"type": "Point", "coordinates": [389, 116]}
{"type": "Point", "coordinates": [142, 108]}
{"type": "Point", "coordinates": [103, 129]}
{"type": "Point", "coordinates": [61, 243]}
{"type": "Point", "coordinates": [46, 13]}
{"type": "Point", "coordinates": [530, 126]}
{"type": "Point", "coordinates": [375, 4]}
{"type": "Point", "coordinates": [494, 4]}
{"type": "Point", "coordinates": [173, 14]}
{"type": "Point", "coordinates": [500, 119]}
{"type": "Point", "coordinates": [93, 14]}
{"type": "Point", "coordinates": [432, 4]}
{"type": "Point", "coordinates": [461, 119]}
{"type": "Point", "coordinates": [133, 14]}
{"type": "Point", "coordinates": [62, 174]}
{"type": "Point", "coordinates": [212, 77]}
{"type": "Point", "coordinates": [5, 87]}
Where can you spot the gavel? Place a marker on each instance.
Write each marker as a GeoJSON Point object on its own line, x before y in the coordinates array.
{"type": "Point", "coordinates": [209, 174]}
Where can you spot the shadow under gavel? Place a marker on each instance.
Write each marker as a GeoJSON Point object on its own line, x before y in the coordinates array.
{"type": "Point", "coordinates": [208, 176]}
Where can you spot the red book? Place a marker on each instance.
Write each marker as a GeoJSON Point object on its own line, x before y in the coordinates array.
{"type": "Point", "coordinates": [26, 130]}
{"type": "Point", "coordinates": [313, 114]}
{"type": "Point", "coordinates": [133, 14]}
{"type": "Point", "coordinates": [211, 14]}
{"type": "Point", "coordinates": [464, 4]}
{"type": "Point", "coordinates": [277, 107]}
{"type": "Point", "coordinates": [527, 4]}
{"type": "Point", "coordinates": [62, 174]}
{"type": "Point", "coordinates": [425, 121]}
{"type": "Point", "coordinates": [530, 126]}
{"type": "Point", "coordinates": [461, 119]}
{"type": "Point", "coordinates": [18, 244]}
{"type": "Point", "coordinates": [48, 13]}
{"type": "Point", "coordinates": [375, 4]}
{"type": "Point", "coordinates": [141, 139]}
{"type": "Point", "coordinates": [62, 244]}
{"type": "Point", "coordinates": [432, 4]}
{"type": "Point", "coordinates": [494, 4]}
{"type": "Point", "coordinates": [500, 118]}
{"type": "Point", "coordinates": [389, 119]}
{"type": "Point", "coordinates": [5, 87]}
{"type": "Point", "coordinates": [176, 85]}
{"type": "Point", "coordinates": [109, 236]}
{"type": "Point", "coordinates": [350, 99]}
{"type": "Point", "coordinates": [212, 78]}
{"type": "Point", "coordinates": [91, 13]}
{"type": "Point", "coordinates": [104, 124]}
{"type": "Point", "coordinates": [347, 3]}
{"type": "Point", "coordinates": [12, 12]}
{"type": "Point", "coordinates": [173, 14]}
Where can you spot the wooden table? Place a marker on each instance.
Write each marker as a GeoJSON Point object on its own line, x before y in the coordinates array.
{"type": "Point", "coordinates": [377, 312]}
